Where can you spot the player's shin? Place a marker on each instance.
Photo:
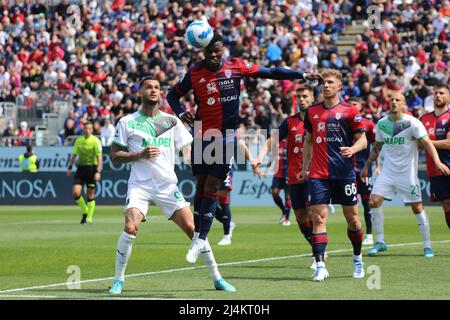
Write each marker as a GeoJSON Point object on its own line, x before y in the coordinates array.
{"type": "Point", "coordinates": [377, 223]}
{"type": "Point", "coordinates": [207, 211]}
{"type": "Point", "coordinates": [367, 215]}
{"type": "Point", "coordinates": [319, 245]}
{"type": "Point", "coordinates": [124, 248]}
{"type": "Point", "coordinates": [424, 227]}
{"type": "Point", "coordinates": [447, 218]}
{"type": "Point", "coordinates": [82, 204]}
{"type": "Point", "coordinates": [198, 199]}
{"type": "Point", "coordinates": [306, 229]}
{"type": "Point", "coordinates": [226, 214]}
{"type": "Point", "coordinates": [356, 238]}
{"type": "Point", "coordinates": [208, 258]}
{"type": "Point", "coordinates": [90, 211]}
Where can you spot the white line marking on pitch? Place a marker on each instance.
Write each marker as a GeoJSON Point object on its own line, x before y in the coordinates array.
{"type": "Point", "coordinates": [202, 267]}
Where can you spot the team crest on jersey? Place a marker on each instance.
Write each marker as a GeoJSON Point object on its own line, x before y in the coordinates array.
{"type": "Point", "coordinates": [298, 138]}
{"type": "Point", "coordinates": [211, 87]}
{"type": "Point", "coordinates": [321, 126]}
{"type": "Point", "coordinates": [358, 118]}
{"type": "Point", "coordinates": [228, 73]}
{"type": "Point", "coordinates": [444, 122]}
{"type": "Point", "coordinates": [248, 65]}
{"type": "Point", "coordinates": [338, 115]}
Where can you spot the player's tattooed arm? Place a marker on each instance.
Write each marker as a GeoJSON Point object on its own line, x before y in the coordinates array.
{"type": "Point", "coordinates": [373, 157]}
{"type": "Point", "coordinates": [120, 154]}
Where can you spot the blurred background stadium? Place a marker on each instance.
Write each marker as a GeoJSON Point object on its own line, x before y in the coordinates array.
{"type": "Point", "coordinates": [63, 63]}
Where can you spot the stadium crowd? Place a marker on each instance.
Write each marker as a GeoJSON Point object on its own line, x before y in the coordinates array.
{"type": "Point", "coordinates": [118, 42]}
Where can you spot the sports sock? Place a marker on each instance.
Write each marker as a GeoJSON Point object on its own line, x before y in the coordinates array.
{"type": "Point", "coordinates": [377, 223]}
{"type": "Point", "coordinates": [208, 258]}
{"type": "Point", "coordinates": [356, 238]}
{"type": "Point", "coordinates": [279, 203]}
{"type": "Point", "coordinates": [447, 218]}
{"type": "Point", "coordinates": [209, 206]}
{"type": "Point", "coordinates": [90, 212]}
{"type": "Point", "coordinates": [319, 245]}
{"type": "Point", "coordinates": [367, 216]}
{"type": "Point", "coordinates": [288, 207]}
{"type": "Point", "coordinates": [306, 228]}
{"type": "Point", "coordinates": [124, 248]}
{"type": "Point", "coordinates": [226, 214]}
{"type": "Point", "coordinates": [80, 201]}
{"type": "Point", "coordinates": [198, 199]}
{"type": "Point", "coordinates": [424, 227]}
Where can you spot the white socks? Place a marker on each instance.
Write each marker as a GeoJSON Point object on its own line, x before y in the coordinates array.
{"type": "Point", "coordinates": [208, 258]}
{"type": "Point", "coordinates": [377, 223]}
{"type": "Point", "coordinates": [124, 247]}
{"type": "Point", "coordinates": [357, 258]}
{"type": "Point", "coordinates": [424, 227]}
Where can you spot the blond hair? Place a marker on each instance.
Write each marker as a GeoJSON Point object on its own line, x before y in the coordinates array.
{"type": "Point", "coordinates": [332, 73]}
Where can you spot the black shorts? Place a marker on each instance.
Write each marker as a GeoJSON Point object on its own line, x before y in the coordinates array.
{"type": "Point", "coordinates": [440, 188]}
{"type": "Point", "coordinates": [85, 175]}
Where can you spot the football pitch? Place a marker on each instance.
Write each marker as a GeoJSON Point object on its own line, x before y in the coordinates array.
{"type": "Point", "coordinates": [44, 251]}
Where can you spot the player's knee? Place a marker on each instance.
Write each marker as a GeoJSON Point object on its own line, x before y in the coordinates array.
{"type": "Point", "coordinates": [131, 228]}
{"type": "Point", "coordinates": [374, 202]}
{"type": "Point", "coordinates": [76, 195]}
{"type": "Point", "coordinates": [318, 219]}
{"type": "Point", "coordinates": [417, 208]}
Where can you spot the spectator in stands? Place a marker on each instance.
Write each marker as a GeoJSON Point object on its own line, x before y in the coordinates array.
{"type": "Point", "coordinates": [107, 133]}
{"type": "Point", "coordinates": [24, 134]}
{"type": "Point", "coordinates": [8, 134]}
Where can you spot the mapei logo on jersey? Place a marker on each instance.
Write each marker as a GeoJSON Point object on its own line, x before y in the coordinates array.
{"type": "Point", "coordinates": [211, 87]}
{"type": "Point", "coordinates": [321, 126]}
{"type": "Point", "coordinates": [358, 118]}
{"type": "Point", "coordinates": [228, 73]}
{"type": "Point", "coordinates": [394, 140]}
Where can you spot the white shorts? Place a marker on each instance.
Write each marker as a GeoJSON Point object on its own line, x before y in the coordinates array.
{"type": "Point", "coordinates": [163, 194]}
{"type": "Point", "coordinates": [407, 186]}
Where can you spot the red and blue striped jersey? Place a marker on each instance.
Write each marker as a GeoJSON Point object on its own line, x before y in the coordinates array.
{"type": "Point", "coordinates": [363, 156]}
{"type": "Point", "coordinates": [216, 93]}
{"type": "Point", "coordinates": [438, 128]}
{"type": "Point", "coordinates": [292, 129]}
{"type": "Point", "coordinates": [331, 129]}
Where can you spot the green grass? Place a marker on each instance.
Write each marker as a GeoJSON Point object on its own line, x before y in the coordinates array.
{"type": "Point", "coordinates": [38, 244]}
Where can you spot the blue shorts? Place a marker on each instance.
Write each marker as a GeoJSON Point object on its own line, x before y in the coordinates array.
{"type": "Point", "coordinates": [213, 159]}
{"type": "Point", "coordinates": [342, 191]}
{"type": "Point", "coordinates": [279, 183]}
{"type": "Point", "coordinates": [364, 188]}
{"type": "Point", "coordinates": [299, 195]}
{"type": "Point", "coordinates": [440, 188]}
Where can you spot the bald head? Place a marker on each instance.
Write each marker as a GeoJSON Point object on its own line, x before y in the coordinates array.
{"type": "Point", "coordinates": [398, 102]}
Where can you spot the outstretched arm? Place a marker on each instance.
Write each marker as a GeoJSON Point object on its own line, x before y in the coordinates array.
{"type": "Point", "coordinates": [286, 74]}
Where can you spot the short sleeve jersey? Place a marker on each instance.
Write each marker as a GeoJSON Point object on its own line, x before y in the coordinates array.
{"type": "Point", "coordinates": [438, 128]}
{"type": "Point", "coordinates": [87, 150]}
{"type": "Point", "coordinates": [216, 93]}
{"type": "Point", "coordinates": [136, 131]}
{"type": "Point", "coordinates": [332, 128]}
{"type": "Point", "coordinates": [400, 150]}
{"type": "Point", "coordinates": [292, 129]}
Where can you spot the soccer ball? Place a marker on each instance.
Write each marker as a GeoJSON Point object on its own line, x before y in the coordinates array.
{"type": "Point", "coordinates": [199, 34]}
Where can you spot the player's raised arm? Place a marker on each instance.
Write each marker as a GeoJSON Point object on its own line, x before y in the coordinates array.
{"type": "Point", "coordinates": [174, 96]}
